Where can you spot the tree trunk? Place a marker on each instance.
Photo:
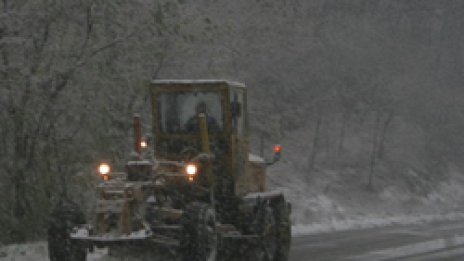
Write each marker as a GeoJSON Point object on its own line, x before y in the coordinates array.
{"type": "Point", "coordinates": [374, 151]}
{"type": "Point", "coordinates": [383, 134]}
{"type": "Point", "coordinates": [315, 145]}
{"type": "Point", "coordinates": [341, 137]}
{"type": "Point", "coordinates": [327, 138]}
{"type": "Point", "coordinates": [261, 146]}
{"type": "Point", "coordinates": [5, 6]}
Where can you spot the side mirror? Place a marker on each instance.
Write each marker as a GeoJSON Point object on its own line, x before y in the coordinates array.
{"type": "Point", "coordinates": [277, 154]}
{"type": "Point", "coordinates": [236, 109]}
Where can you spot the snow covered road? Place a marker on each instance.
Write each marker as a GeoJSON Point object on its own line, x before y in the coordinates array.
{"type": "Point", "coordinates": [442, 240]}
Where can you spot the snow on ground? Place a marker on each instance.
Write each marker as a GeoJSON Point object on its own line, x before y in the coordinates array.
{"type": "Point", "coordinates": [408, 251]}
{"type": "Point", "coordinates": [314, 211]}
{"type": "Point", "coordinates": [24, 252]}
{"type": "Point", "coordinates": [37, 251]}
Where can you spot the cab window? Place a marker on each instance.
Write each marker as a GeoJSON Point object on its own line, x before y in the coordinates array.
{"type": "Point", "coordinates": [178, 111]}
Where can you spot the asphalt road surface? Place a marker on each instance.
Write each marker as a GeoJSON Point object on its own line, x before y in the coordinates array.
{"type": "Point", "coordinates": [431, 241]}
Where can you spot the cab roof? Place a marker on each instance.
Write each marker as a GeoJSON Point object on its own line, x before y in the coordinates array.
{"type": "Point", "coordinates": [196, 81]}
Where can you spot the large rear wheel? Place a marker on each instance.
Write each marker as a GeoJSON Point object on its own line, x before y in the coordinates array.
{"type": "Point", "coordinates": [267, 230]}
{"type": "Point", "coordinates": [273, 227]}
{"type": "Point", "coordinates": [281, 210]}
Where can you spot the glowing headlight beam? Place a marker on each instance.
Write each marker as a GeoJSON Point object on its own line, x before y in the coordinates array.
{"type": "Point", "coordinates": [191, 169]}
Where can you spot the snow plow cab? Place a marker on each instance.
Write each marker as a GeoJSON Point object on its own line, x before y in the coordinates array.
{"type": "Point", "coordinates": [196, 190]}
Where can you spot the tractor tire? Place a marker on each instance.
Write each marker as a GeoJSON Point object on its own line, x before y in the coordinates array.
{"type": "Point", "coordinates": [281, 210]}
{"type": "Point", "coordinates": [199, 239]}
{"type": "Point", "coordinates": [60, 246]}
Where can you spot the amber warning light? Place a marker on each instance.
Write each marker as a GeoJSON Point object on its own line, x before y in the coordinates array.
{"type": "Point", "coordinates": [277, 149]}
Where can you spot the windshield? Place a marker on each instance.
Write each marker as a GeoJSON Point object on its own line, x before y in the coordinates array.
{"type": "Point", "coordinates": [179, 111]}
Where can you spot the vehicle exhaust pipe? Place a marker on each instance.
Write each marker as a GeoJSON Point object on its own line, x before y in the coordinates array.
{"type": "Point", "coordinates": [137, 134]}
{"type": "Point", "coordinates": [204, 133]}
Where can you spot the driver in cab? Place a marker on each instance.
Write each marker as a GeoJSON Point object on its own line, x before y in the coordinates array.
{"type": "Point", "coordinates": [192, 124]}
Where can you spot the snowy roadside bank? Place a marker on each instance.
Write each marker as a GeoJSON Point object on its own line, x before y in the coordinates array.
{"type": "Point", "coordinates": [37, 251]}
{"type": "Point", "coordinates": [370, 222]}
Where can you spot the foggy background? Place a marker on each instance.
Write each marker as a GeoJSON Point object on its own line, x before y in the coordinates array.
{"type": "Point", "coordinates": [365, 96]}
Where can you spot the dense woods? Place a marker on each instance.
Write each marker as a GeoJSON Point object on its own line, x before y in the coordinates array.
{"type": "Point", "coordinates": [369, 85]}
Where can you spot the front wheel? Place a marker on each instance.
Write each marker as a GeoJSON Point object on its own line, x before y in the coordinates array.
{"type": "Point", "coordinates": [199, 240]}
{"type": "Point", "coordinates": [60, 245]}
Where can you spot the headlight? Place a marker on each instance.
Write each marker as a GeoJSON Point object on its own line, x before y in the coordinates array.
{"type": "Point", "coordinates": [104, 169]}
{"type": "Point", "coordinates": [143, 144]}
{"type": "Point", "coordinates": [191, 169]}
